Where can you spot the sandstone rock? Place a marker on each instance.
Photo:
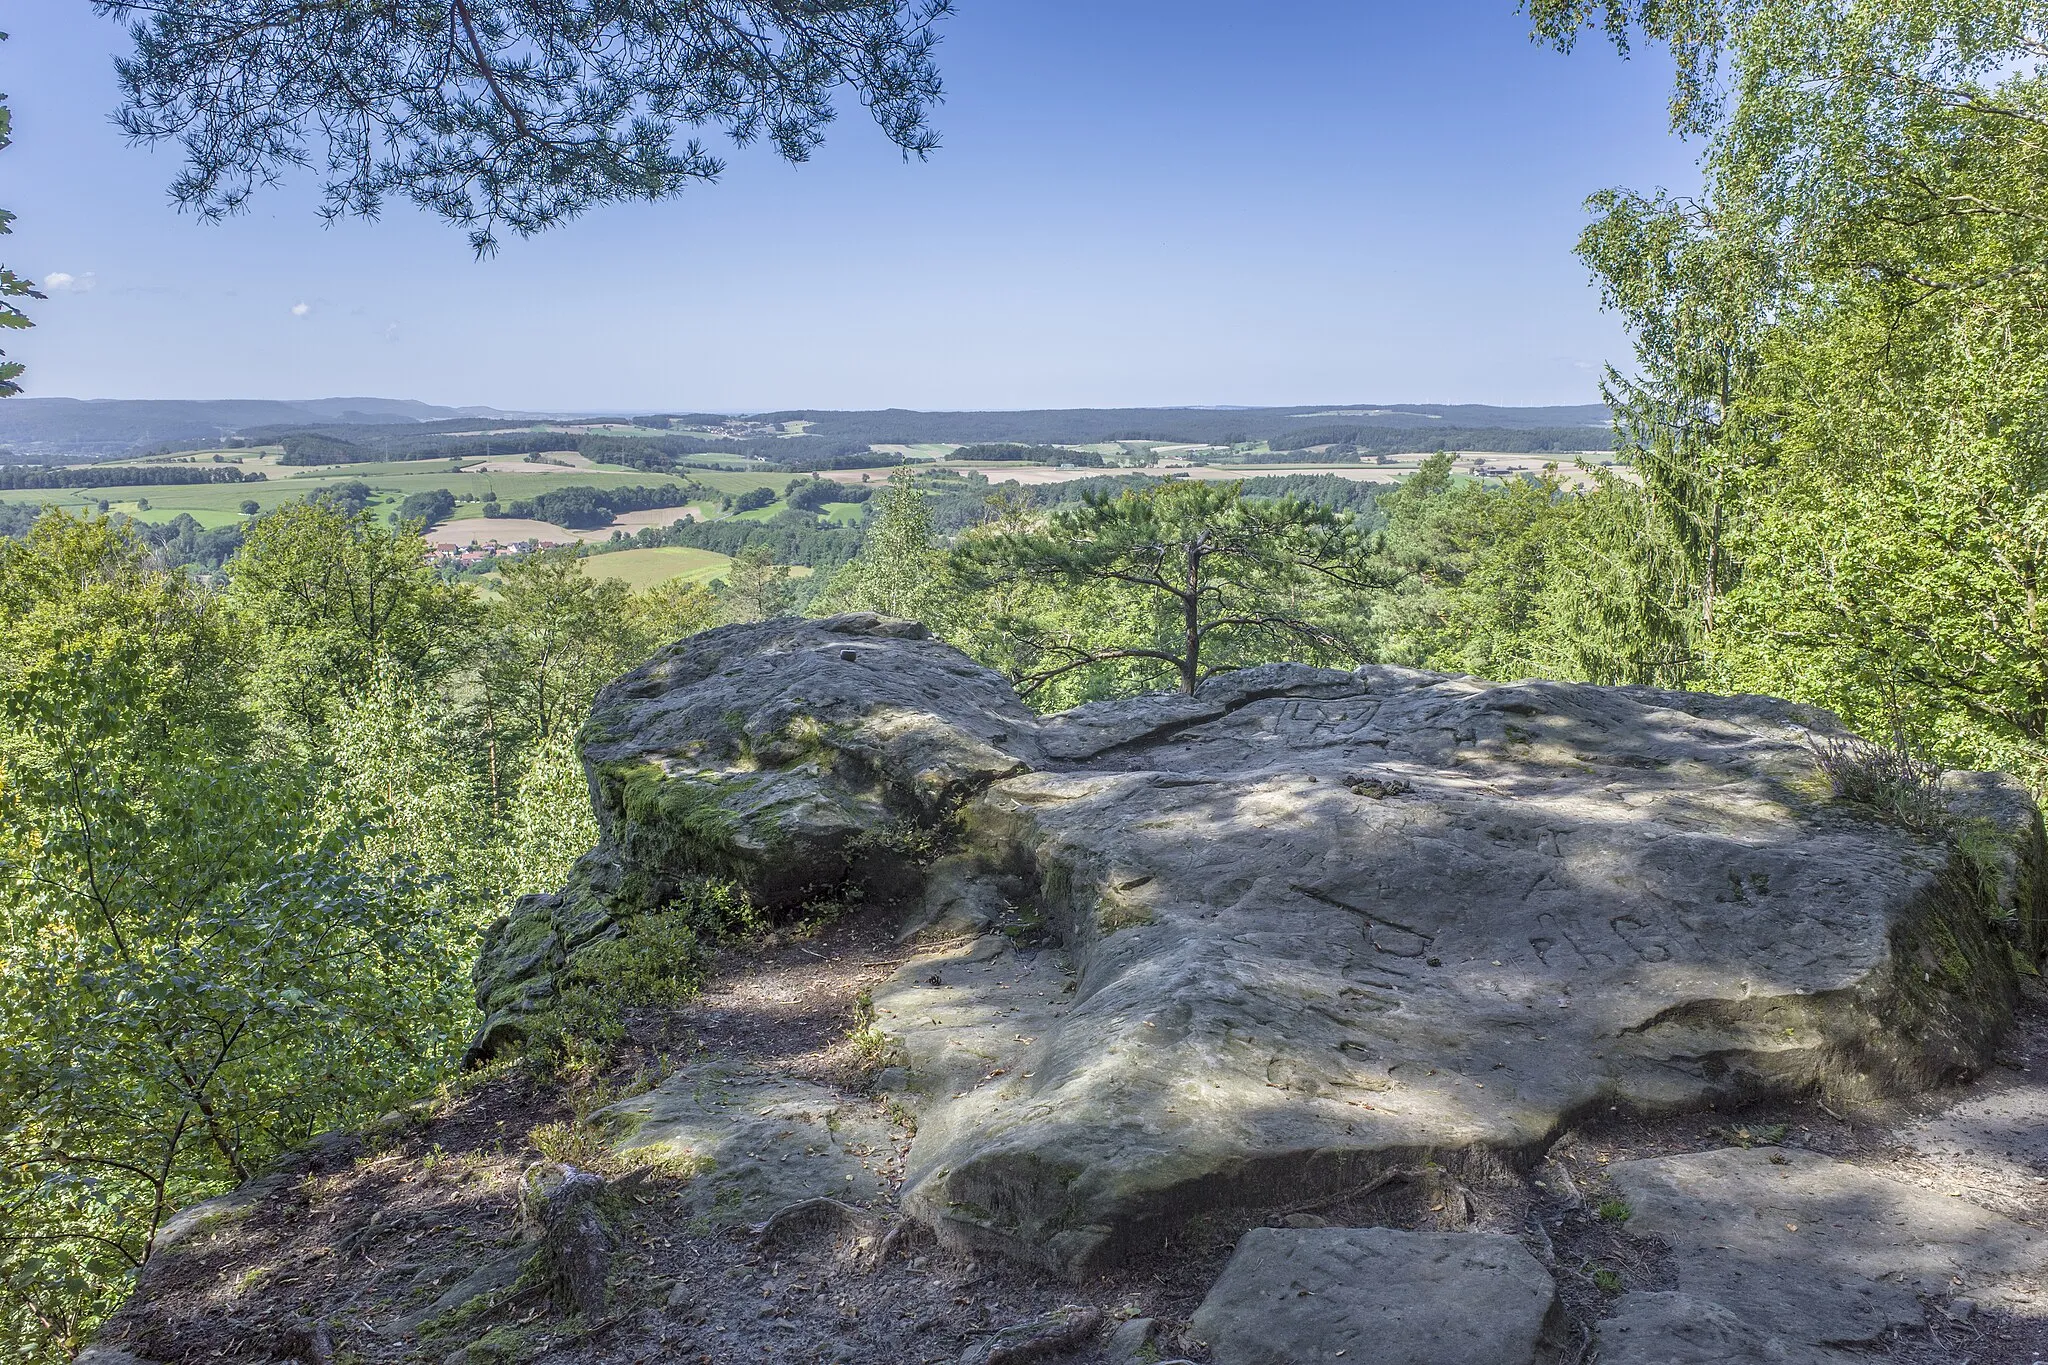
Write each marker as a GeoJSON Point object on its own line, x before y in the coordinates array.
{"type": "Point", "coordinates": [1808, 1251]}
{"type": "Point", "coordinates": [494, 1275]}
{"type": "Point", "coordinates": [793, 757]}
{"type": "Point", "coordinates": [1096, 728]}
{"type": "Point", "coordinates": [194, 1228]}
{"type": "Point", "coordinates": [809, 1221]}
{"type": "Point", "coordinates": [107, 1355]}
{"type": "Point", "coordinates": [1678, 1329]}
{"type": "Point", "coordinates": [961, 899]}
{"type": "Point", "coordinates": [776, 753]}
{"type": "Point", "coordinates": [1128, 1341]}
{"type": "Point", "coordinates": [1360, 917]}
{"type": "Point", "coordinates": [1275, 941]}
{"type": "Point", "coordinates": [754, 1141]}
{"type": "Point", "coordinates": [1291, 1297]}
{"type": "Point", "coordinates": [2002, 837]}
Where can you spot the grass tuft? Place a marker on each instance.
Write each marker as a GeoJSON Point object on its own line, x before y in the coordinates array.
{"type": "Point", "coordinates": [1887, 778]}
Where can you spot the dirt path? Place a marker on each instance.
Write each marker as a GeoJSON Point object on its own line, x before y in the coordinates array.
{"type": "Point", "coordinates": [793, 1005]}
{"type": "Point", "coordinates": [355, 1250]}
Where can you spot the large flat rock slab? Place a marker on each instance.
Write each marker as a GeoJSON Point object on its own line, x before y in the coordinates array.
{"type": "Point", "coordinates": [1292, 1297]}
{"type": "Point", "coordinates": [1678, 1329]}
{"type": "Point", "coordinates": [755, 1141]}
{"type": "Point", "coordinates": [1360, 918]}
{"type": "Point", "coordinates": [1812, 1253]}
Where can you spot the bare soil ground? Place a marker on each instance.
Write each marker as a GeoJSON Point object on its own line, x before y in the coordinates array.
{"type": "Point", "coordinates": [351, 1254]}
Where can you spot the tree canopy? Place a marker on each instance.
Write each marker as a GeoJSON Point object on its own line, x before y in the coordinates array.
{"type": "Point", "coordinates": [508, 113]}
{"type": "Point", "coordinates": [1210, 579]}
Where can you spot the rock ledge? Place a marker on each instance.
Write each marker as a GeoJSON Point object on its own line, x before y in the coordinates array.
{"type": "Point", "coordinates": [1304, 931]}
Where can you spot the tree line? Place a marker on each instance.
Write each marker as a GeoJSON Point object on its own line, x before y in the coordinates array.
{"type": "Point", "coordinates": [1384, 440]}
{"type": "Point", "coordinates": [657, 453]}
{"type": "Point", "coordinates": [582, 507]}
{"type": "Point", "coordinates": [123, 476]}
{"type": "Point", "coordinates": [1192, 426]}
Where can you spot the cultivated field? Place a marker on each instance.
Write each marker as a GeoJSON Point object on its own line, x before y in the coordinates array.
{"type": "Point", "coordinates": [390, 483]}
{"type": "Point", "coordinates": [843, 513]}
{"type": "Point", "coordinates": [643, 569]}
{"type": "Point", "coordinates": [469, 528]}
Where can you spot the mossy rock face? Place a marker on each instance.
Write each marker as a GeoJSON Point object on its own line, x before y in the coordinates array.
{"type": "Point", "coordinates": [791, 759]}
{"type": "Point", "coordinates": [1999, 834]}
{"type": "Point", "coordinates": [780, 755]}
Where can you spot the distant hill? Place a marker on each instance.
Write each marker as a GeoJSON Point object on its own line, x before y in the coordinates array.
{"type": "Point", "coordinates": [52, 429]}
{"type": "Point", "coordinates": [1084, 426]}
{"type": "Point", "coordinates": [49, 429]}
{"type": "Point", "coordinates": [382, 410]}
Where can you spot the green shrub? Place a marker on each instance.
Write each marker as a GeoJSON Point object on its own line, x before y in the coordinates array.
{"type": "Point", "coordinates": [654, 957]}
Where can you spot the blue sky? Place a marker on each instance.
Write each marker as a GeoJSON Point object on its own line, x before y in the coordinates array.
{"type": "Point", "coordinates": [1137, 202]}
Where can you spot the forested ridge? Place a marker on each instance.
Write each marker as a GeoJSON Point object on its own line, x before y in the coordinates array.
{"type": "Point", "coordinates": [251, 826]}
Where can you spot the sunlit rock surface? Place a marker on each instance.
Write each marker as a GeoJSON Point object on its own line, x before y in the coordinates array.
{"type": "Point", "coordinates": [1306, 927]}
{"type": "Point", "coordinates": [1793, 1256]}
{"type": "Point", "coordinates": [753, 1141]}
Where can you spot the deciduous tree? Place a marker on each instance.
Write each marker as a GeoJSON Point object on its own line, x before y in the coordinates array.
{"type": "Point", "coordinates": [901, 567]}
{"type": "Point", "coordinates": [193, 975]}
{"type": "Point", "coordinates": [331, 596]}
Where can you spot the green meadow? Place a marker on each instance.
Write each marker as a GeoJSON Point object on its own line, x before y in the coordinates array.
{"type": "Point", "coordinates": [844, 513]}
{"type": "Point", "coordinates": [644, 568]}
{"type": "Point", "coordinates": [390, 484]}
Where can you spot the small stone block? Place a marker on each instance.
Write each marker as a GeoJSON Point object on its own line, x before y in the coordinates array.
{"type": "Point", "coordinates": [1380, 1295]}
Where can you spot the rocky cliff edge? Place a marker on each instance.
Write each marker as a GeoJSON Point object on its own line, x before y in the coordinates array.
{"type": "Point", "coordinates": [1299, 934]}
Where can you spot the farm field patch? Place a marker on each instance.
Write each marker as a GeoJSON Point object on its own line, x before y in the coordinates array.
{"type": "Point", "coordinates": [740, 483]}
{"type": "Point", "coordinates": [647, 568]}
{"type": "Point", "coordinates": [844, 513]}
{"type": "Point", "coordinates": [219, 504]}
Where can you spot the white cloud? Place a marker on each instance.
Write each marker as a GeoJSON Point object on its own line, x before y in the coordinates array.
{"type": "Point", "coordinates": [300, 310]}
{"type": "Point", "coordinates": [64, 282]}
{"type": "Point", "coordinates": [391, 331]}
